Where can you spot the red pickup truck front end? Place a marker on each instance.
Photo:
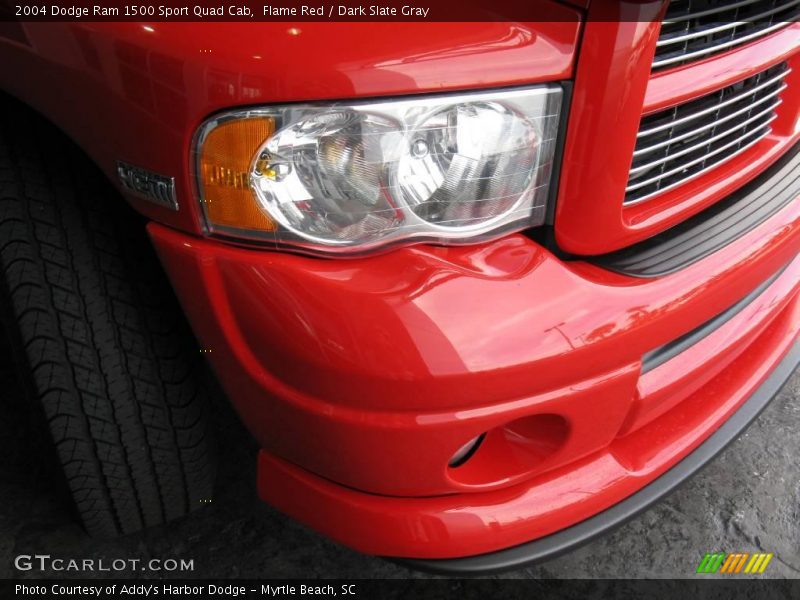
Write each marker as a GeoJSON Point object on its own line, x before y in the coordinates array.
{"type": "Point", "coordinates": [475, 403]}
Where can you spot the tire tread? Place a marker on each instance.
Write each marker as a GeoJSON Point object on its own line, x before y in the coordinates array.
{"type": "Point", "coordinates": [111, 360]}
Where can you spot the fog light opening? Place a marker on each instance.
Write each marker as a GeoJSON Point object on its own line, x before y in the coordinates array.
{"type": "Point", "coordinates": [466, 452]}
{"type": "Point", "coordinates": [510, 452]}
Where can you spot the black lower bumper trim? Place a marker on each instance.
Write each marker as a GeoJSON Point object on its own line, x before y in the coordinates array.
{"type": "Point", "coordinates": [572, 537]}
{"type": "Point", "coordinates": [656, 358]}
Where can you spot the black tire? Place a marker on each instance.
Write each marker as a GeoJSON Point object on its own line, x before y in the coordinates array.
{"type": "Point", "coordinates": [105, 349]}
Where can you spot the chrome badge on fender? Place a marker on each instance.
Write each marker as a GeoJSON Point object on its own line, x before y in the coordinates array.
{"type": "Point", "coordinates": [151, 186]}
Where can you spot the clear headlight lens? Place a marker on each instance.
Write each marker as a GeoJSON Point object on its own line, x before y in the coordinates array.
{"type": "Point", "coordinates": [468, 163]}
{"type": "Point", "coordinates": [352, 177]}
{"type": "Point", "coordinates": [323, 178]}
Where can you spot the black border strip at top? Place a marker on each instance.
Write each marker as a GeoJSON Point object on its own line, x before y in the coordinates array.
{"type": "Point", "coordinates": [290, 10]}
{"type": "Point", "coordinates": [287, 11]}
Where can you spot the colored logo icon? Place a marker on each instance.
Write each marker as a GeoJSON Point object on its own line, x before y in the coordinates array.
{"type": "Point", "coordinates": [738, 562]}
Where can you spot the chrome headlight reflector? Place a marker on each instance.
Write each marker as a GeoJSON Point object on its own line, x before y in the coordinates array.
{"type": "Point", "coordinates": [351, 177]}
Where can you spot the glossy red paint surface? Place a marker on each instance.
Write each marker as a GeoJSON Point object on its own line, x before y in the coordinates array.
{"type": "Point", "coordinates": [137, 92]}
{"type": "Point", "coordinates": [610, 84]}
{"type": "Point", "coordinates": [613, 88]}
{"type": "Point", "coordinates": [362, 378]}
{"type": "Point", "coordinates": [464, 525]}
{"type": "Point", "coordinates": [368, 361]}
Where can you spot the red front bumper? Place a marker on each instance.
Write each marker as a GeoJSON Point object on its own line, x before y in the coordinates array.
{"type": "Point", "coordinates": [361, 378]}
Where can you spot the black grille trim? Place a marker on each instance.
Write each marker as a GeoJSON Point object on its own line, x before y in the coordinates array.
{"type": "Point", "coordinates": [714, 228]}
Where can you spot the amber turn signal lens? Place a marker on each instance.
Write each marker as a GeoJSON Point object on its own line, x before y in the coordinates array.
{"type": "Point", "coordinates": [224, 167]}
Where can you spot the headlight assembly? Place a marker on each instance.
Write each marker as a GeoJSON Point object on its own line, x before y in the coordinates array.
{"type": "Point", "coordinates": [351, 177]}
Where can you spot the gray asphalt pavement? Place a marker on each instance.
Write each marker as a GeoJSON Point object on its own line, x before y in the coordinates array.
{"type": "Point", "coordinates": [747, 500]}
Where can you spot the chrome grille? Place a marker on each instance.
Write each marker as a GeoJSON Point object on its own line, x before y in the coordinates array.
{"type": "Point", "coordinates": [683, 142]}
{"type": "Point", "coordinates": [695, 29]}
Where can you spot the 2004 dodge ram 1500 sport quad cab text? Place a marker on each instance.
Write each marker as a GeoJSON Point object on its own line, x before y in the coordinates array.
{"type": "Point", "coordinates": [480, 291]}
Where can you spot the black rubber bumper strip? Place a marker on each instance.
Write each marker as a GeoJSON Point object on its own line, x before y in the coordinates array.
{"type": "Point", "coordinates": [568, 539]}
{"type": "Point", "coordinates": [656, 358]}
{"type": "Point", "coordinates": [712, 229]}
